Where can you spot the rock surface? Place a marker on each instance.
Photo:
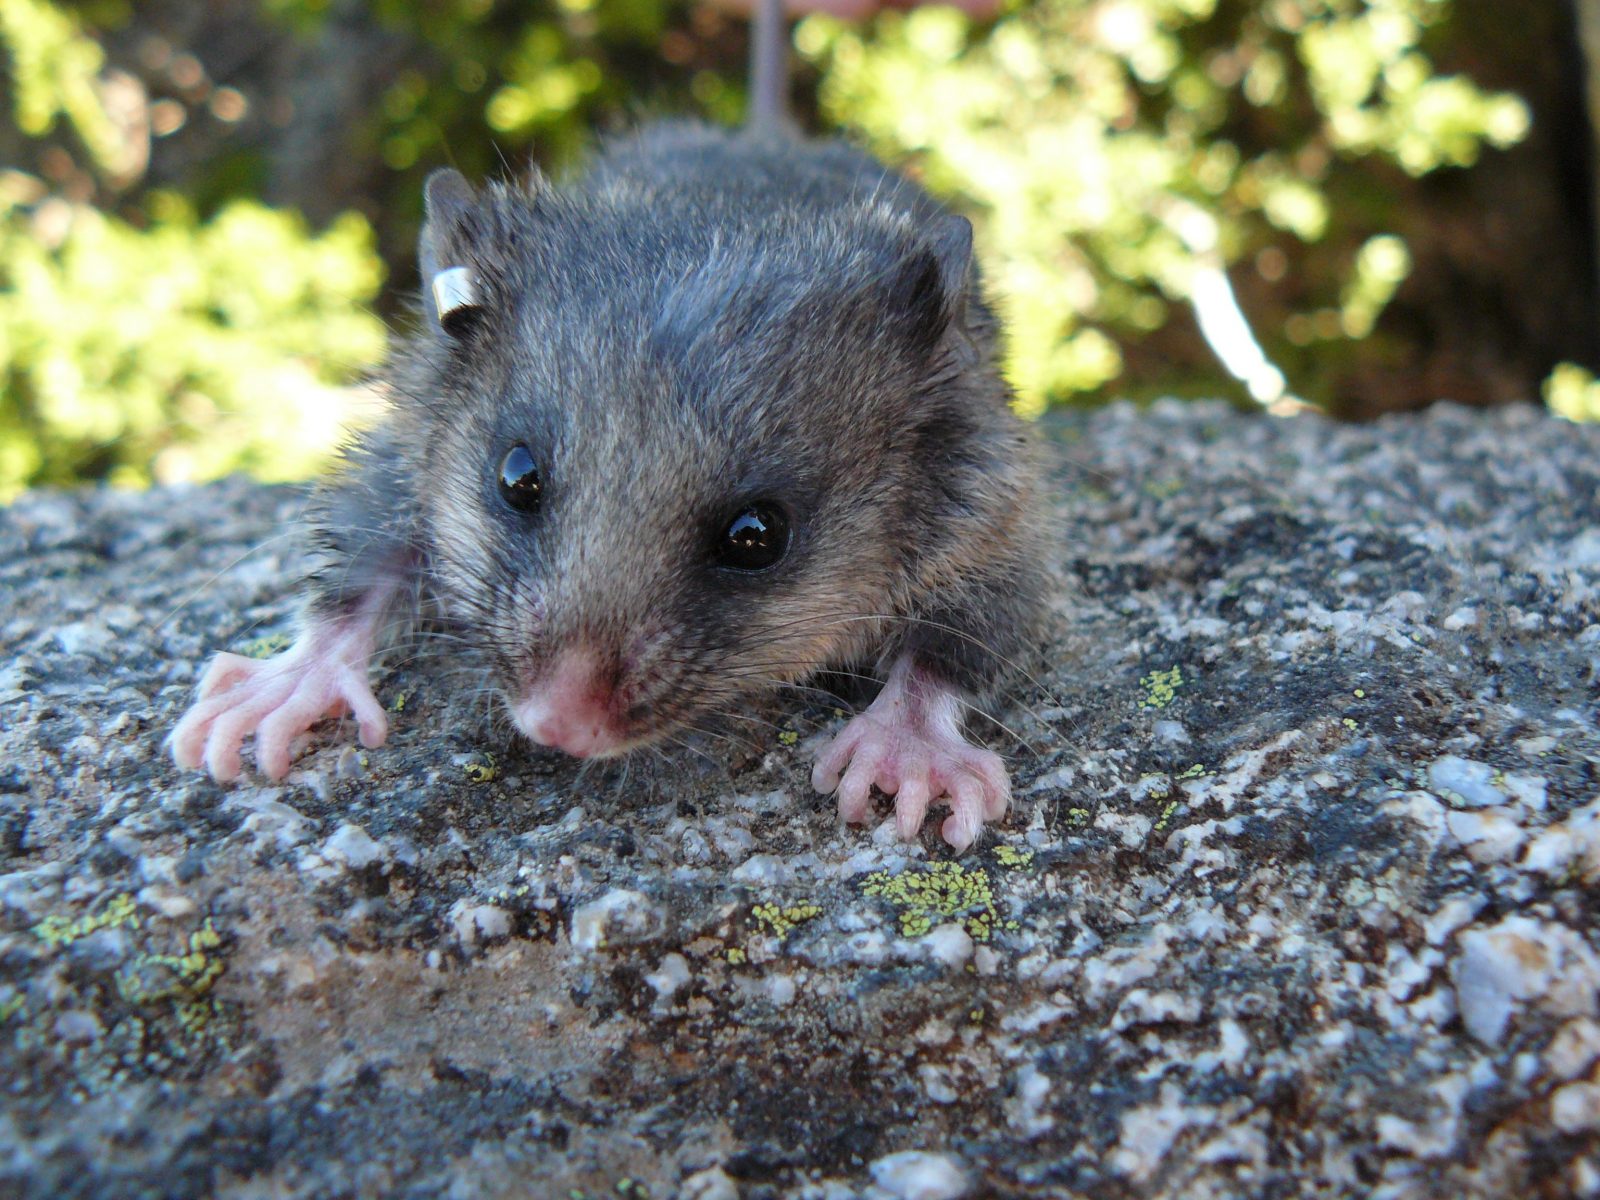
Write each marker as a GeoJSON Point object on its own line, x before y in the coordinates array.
{"type": "Point", "coordinates": [1298, 895]}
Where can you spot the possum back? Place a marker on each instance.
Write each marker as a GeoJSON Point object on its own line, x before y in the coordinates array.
{"type": "Point", "coordinates": [708, 174]}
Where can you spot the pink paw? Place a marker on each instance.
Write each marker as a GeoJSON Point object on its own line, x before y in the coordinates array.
{"type": "Point", "coordinates": [909, 744]}
{"type": "Point", "coordinates": [323, 674]}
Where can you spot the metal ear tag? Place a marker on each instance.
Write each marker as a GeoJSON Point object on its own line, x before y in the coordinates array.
{"type": "Point", "coordinates": [454, 295]}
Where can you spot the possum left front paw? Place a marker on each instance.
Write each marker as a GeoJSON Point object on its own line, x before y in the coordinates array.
{"type": "Point", "coordinates": [908, 743]}
{"type": "Point", "coordinates": [323, 674]}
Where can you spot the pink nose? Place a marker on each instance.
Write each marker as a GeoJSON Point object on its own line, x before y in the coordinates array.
{"type": "Point", "coordinates": [569, 709]}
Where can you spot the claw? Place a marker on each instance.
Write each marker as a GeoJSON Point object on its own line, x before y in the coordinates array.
{"type": "Point", "coordinates": [323, 674]}
{"type": "Point", "coordinates": [908, 744]}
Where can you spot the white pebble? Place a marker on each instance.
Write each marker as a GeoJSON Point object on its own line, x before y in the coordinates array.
{"type": "Point", "coordinates": [1585, 1178]}
{"type": "Point", "coordinates": [475, 923]}
{"type": "Point", "coordinates": [346, 766]}
{"type": "Point", "coordinates": [620, 916]}
{"type": "Point", "coordinates": [734, 840]}
{"type": "Point", "coordinates": [1450, 916]}
{"type": "Point", "coordinates": [271, 823]}
{"type": "Point", "coordinates": [869, 947]}
{"type": "Point", "coordinates": [1143, 1007]}
{"type": "Point", "coordinates": [1531, 790]}
{"type": "Point", "coordinates": [75, 1025]}
{"type": "Point", "coordinates": [1463, 782]}
{"type": "Point", "coordinates": [763, 870]}
{"type": "Point", "coordinates": [780, 989]}
{"type": "Point", "coordinates": [1575, 840]}
{"type": "Point", "coordinates": [1574, 1048]}
{"type": "Point", "coordinates": [936, 1084]}
{"type": "Point", "coordinates": [1517, 960]}
{"type": "Point", "coordinates": [950, 944]}
{"type": "Point", "coordinates": [1025, 1112]}
{"type": "Point", "coordinates": [666, 979]}
{"type": "Point", "coordinates": [352, 845]}
{"type": "Point", "coordinates": [1575, 1108]}
{"type": "Point", "coordinates": [172, 904]}
{"type": "Point", "coordinates": [83, 637]}
{"type": "Point", "coordinates": [694, 849]}
{"type": "Point", "coordinates": [1489, 834]}
{"type": "Point", "coordinates": [1148, 1131]}
{"type": "Point", "coordinates": [935, 1033]}
{"type": "Point", "coordinates": [887, 833]}
{"type": "Point", "coordinates": [710, 1184]}
{"type": "Point", "coordinates": [921, 1175]}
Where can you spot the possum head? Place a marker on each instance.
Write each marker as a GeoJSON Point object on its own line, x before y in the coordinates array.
{"type": "Point", "coordinates": [677, 459]}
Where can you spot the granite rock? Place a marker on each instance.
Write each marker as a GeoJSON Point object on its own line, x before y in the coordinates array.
{"type": "Point", "coordinates": [1298, 896]}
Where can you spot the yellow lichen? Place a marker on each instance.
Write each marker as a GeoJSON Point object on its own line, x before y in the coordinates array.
{"type": "Point", "coordinates": [1161, 687]}
{"type": "Point", "coordinates": [56, 930]}
{"type": "Point", "coordinates": [941, 892]}
{"type": "Point", "coordinates": [1156, 785]}
{"type": "Point", "coordinates": [736, 955]}
{"type": "Point", "coordinates": [1012, 857]}
{"type": "Point", "coordinates": [482, 768]}
{"type": "Point", "coordinates": [194, 973]}
{"type": "Point", "coordinates": [266, 646]}
{"type": "Point", "coordinates": [780, 922]}
{"type": "Point", "coordinates": [788, 737]}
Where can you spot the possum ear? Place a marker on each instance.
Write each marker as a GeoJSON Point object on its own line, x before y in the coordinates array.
{"type": "Point", "coordinates": [951, 241]}
{"type": "Point", "coordinates": [931, 287]}
{"type": "Point", "coordinates": [450, 294]}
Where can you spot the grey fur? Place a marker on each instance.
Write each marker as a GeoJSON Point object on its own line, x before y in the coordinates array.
{"type": "Point", "coordinates": [705, 319]}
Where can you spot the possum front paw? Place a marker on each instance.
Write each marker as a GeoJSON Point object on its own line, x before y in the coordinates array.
{"type": "Point", "coordinates": [909, 744]}
{"type": "Point", "coordinates": [323, 674]}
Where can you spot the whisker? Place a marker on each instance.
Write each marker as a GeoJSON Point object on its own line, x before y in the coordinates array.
{"type": "Point", "coordinates": [202, 587]}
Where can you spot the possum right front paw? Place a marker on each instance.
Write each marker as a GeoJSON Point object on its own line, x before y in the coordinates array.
{"type": "Point", "coordinates": [323, 674]}
{"type": "Point", "coordinates": [908, 744]}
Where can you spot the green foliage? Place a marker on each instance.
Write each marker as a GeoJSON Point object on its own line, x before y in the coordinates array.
{"type": "Point", "coordinates": [1573, 393]}
{"type": "Point", "coordinates": [1119, 156]}
{"type": "Point", "coordinates": [55, 71]}
{"type": "Point", "coordinates": [174, 347]}
{"type": "Point", "coordinates": [1113, 146]}
{"type": "Point", "coordinates": [186, 348]}
{"type": "Point", "coordinates": [538, 77]}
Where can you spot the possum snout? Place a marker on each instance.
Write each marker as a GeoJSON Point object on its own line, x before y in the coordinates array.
{"type": "Point", "coordinates": [571, 708]}
{"type": "Point", "coordinates": [589, 704]}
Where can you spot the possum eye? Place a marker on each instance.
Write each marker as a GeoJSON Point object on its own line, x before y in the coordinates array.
{"type": "Point", "coordinates": [520, 484]}
{"type": "Point", "coordinates": [755, 539]}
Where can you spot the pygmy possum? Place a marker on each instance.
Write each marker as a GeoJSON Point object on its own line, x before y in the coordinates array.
{"type": "Point", "coordinates": [719, 415]}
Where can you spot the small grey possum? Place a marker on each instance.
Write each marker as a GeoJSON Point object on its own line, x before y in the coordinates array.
{"type": "Point", "coordinates": [720, 415]}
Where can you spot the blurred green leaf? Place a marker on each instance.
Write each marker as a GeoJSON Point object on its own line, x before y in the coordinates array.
{"type": "Point", "coordinates": [1079, 129]}
{"type": "Point", "coordinates": [1122, 159]}
{"type": "Point", "coordinates": [182, 349]}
